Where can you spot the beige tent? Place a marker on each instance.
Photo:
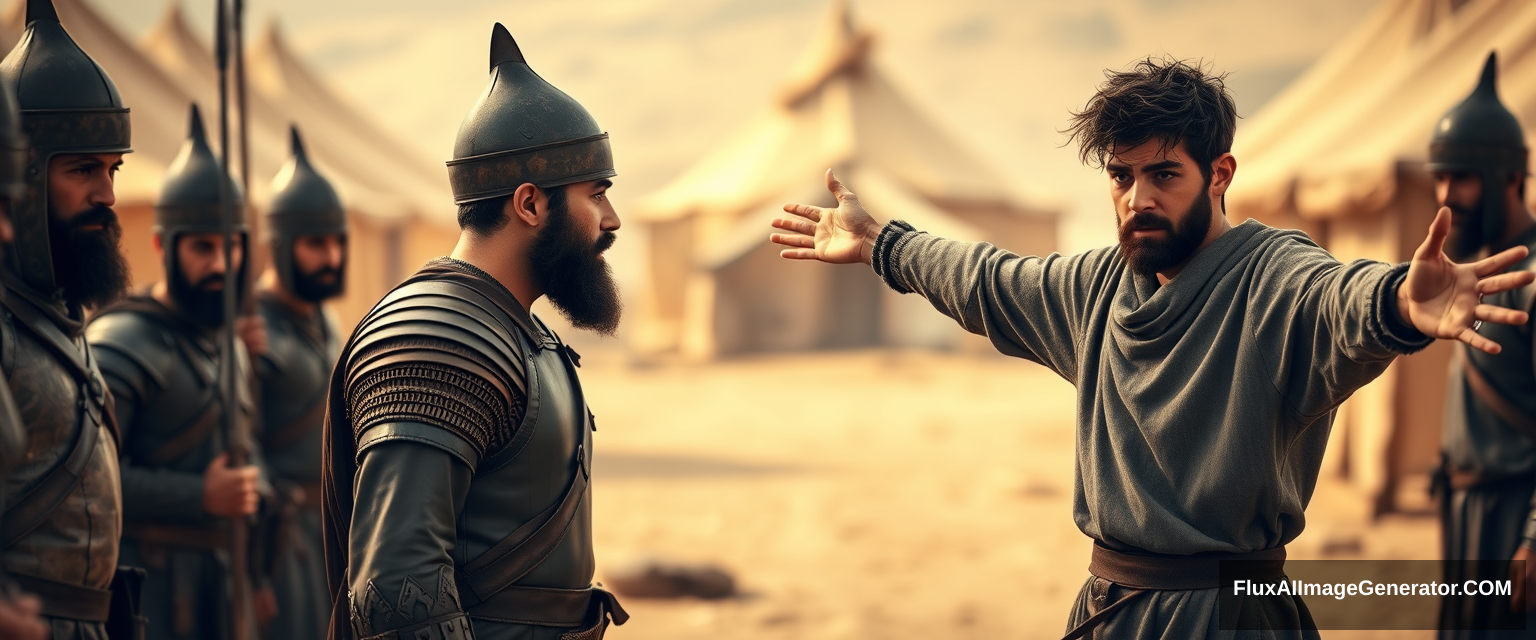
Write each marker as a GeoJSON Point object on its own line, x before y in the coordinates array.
{"type": "Point", "coordinates": [718, 287]}
{"type": "Point", "coordinates": [398, 203]}
{"type": "Point", "coordinates": [1340, 153]}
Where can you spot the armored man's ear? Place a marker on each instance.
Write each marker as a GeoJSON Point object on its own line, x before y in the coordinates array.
{"type": "Point", "coordinates": [503, 47]}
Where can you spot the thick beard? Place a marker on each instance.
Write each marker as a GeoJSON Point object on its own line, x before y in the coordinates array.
{"type": "Point", "coordinates": [1148, 256]}
{"type": "Point", "coordinates": [87, 264]}
{"type": "Point", "coordinates": [307, 286]}
{"type": "Point", "coordinates": [203, 305]}
{"type": "Point", "coordinates": [574, 275]}
{"type": "Point", "coordinates": [1465, 240]}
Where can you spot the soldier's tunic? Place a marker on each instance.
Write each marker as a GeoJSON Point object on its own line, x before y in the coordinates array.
{"type": "Point", "coordinates": [78, 542]}
{"type": "Point", "coordinates": [294, 376]}
{"type": "Point", "coordinates": [1490, 451]}
{"type": "Point", "coordinates": [162, 369]}
{"type": "Point", "coordinates": [1203, 405]}
{"type": "Point", "coordinates": [465, 420]}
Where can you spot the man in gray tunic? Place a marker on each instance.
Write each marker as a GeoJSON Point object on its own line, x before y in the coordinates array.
{"type": "Point", "coordinates": [159, 353]}
{"type": "Point", "coordinates": [62, 522]}
{"type": "Point", "coordinates": [307, 231]}
{"type": "Point", "coordinates": [458, 441]}
{"type": "Point", "coordinates": [1208, 359]}
{"type": "Point", "coordinates": [1478, 158]}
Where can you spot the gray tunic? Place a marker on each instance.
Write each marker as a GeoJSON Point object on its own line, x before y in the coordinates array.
{"type": "Point", "coordinates": [294, 375]}
{"type": "Point", "coordinates": [1203, 406]}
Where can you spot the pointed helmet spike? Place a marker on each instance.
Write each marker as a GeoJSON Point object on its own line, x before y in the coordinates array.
{"type": "Point", "coordinates": [1489, 82]}
{"type": "Point", "coordinates": [503, 47]}
{"type": "Point", "coordinates": [295, 142]}
{"type": "Point", "coordinates": [41, 10]}
{"type": "Point", "coordinates": [195, 124]}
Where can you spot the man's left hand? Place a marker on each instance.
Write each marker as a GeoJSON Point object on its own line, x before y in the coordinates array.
{"type": "Point", "coordinates": [252, 330]}
{"type": "Point", "coordinates": [1444, 300]}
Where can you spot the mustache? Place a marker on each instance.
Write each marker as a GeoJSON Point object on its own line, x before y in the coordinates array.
{"type": "Point", "coordinates": [324, 271]}
{"type": "Point", "coordinates": [97, 215]}
{"type": "Point", "coordinates": [208, 281]}
{"type": "Point", "coordinates": [1147, 222]}
{"type": "Point", "coordinates": [606, 240]}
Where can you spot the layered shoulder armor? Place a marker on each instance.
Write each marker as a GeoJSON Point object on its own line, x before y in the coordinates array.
{"type": "Point", "coordinates": [437, 359]}
{"type": "Point", "coordinates": [132, 348]}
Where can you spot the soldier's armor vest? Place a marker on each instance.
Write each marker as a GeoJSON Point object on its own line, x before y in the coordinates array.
{"type": "Point", "coordinates": [1511, 374]}
{"type": "Point", "coordinates": [295, 374]}
{"type": "Point", "coordinates": [531, 471]}
{"type": "Point", "coordinates": [172, 367]}
{"type": "Point", "coordinates": [77, 543]}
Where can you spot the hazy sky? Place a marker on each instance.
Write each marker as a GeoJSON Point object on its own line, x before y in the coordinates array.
{"type": "Point", "coordinates": [670, 78]}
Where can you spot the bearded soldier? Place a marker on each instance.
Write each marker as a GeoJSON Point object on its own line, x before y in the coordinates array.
{"type": "Point", "coordinates": [456, 418]}
{"type": "Point", "coordinates": [307, 228]}
{"type": "Point", "coordinates": [1209, 359]}
{"type": "Point", "coordinates": [159, 353]}
{"type": "Point", "coordinates": [63, 513]}
{"type": "Point", "coordinates": [1478, 159]}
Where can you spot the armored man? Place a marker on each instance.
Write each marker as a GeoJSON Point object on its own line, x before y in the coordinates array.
{"type": "Point", "coordinates": [455, 416]}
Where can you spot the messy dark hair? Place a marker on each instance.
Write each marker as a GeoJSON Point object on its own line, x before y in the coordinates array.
{"type": "Point", "coordinates": [1159, 98]}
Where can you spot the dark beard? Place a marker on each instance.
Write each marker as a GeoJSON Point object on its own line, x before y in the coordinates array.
{"type": "Point", "coordinates": [1465, 240]}
{"type": "Point", "coordinates": [203, 305]}
{"type": "Point", "coordinates": [309, 288]}
{"type": "Point", "coordinates": [87, 264]}
{"type": "Point", "coordinates": [572, 273]}
{"type": "Point", "coordinates": [1148, 256]}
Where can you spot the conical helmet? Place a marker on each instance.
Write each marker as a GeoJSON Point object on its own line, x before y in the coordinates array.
{"type": "Point", "coordinates": [68, 104]}
{"type": "Point", "coordinates": [190, 200]}
{"type": "Point", "coordinates": [303, 204]}
{"type": "Point", "coordinates": [1482, 136]}
{"type": "Point", "coordinates": [524, 130]}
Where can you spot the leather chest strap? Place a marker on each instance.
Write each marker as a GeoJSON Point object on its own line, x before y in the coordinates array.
{"type": "Point", "coordinates": [546, 607]}
{"type": "Point", "coordinates": [1512, 415]}
{"type": "Point", "coordinates": [64, 600]}
{"type": "Point", "coordinates": [31, 510]}
{"type": "Point", "coordinates": [526, 547]}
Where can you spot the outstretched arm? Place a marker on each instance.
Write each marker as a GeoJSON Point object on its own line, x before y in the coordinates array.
{"type": "Point", "coordinates": [1444, 300]}
{"type": "Point", "coordinates": [1028, 307]}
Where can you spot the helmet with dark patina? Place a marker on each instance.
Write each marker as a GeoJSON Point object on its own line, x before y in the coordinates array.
{"type": "Point", "coordinates": [524, 130]}
{"type": "Point", "coordinates": [1480, 135]}
{"type": "Point", "coordinates": [68, 104]}
{"type": "Point", "coordinates": [303, 204]}
{"type": "Point", "coordinates": [190, 199]}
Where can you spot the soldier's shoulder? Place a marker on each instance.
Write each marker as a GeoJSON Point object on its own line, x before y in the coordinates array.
{"type": "Point", "coordinates": [133, 334]}
{"type": "Point", "coordinates": [444, 311]}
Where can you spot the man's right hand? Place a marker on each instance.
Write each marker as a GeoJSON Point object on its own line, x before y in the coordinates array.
{"type": "Point", "coordinates": [840, 236]}
{"type": "Point", "coordinates": [19, 618]}
{"type": "Point", "coordinates": [230, 492]}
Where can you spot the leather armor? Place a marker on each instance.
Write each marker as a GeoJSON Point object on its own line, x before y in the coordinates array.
{"type": "Point", "coordinates": [451, 361]}
{"type": "Point", "coordinates": [77, 543]}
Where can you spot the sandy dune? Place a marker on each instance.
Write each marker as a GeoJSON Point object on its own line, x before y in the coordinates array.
{"type": "Point", "coordinates": [870, 495]}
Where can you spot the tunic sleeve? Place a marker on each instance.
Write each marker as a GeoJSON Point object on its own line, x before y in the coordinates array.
{"type": "Point", "coordinates": [1029, 307]}
{"type": "Point", "coordinates": [1345, 328]}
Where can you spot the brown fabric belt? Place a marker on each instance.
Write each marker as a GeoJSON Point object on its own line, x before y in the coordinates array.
{"type": "Point", "coordinates": [545, 607]}
{"type": "Point", "coordinates": [212, 538]}
{"type": "Point", "coordinates": [1143, 572]}
{"type": "Point", "coordinates": [1146, 570]}
{"type": "Point", "coordinates": [64, 600]}
{"type": "Point", "coordinates": [1460, 480]}
{"type": "Point", "coordinates": [1512, 415]}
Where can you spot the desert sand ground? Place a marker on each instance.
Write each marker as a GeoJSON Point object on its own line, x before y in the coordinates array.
{"type": "Point", "coordinates": [872, 495]}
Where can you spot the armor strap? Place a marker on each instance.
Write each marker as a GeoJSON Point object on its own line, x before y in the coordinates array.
{"type": "Point", "coordinates": [192, 433]}
{"type": "Point", "coordinates": [298, 427]}
{"type": "Point", "coordinates": [64, 600]}
{"type": "Point", "coordinates": [523, 550]}
{"type": "Point", "coordinates": [31, 510]}
{"type": "Point", "coordinates": [1507, 411]}
{"type": "Point", "coordinates": [546, 607]}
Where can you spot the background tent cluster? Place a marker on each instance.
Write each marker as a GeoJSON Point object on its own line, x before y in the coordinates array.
{"type": "Point", "coordinates": [718, 286]}
{"type": "Point", "coordinates": [1340, 153]}
{"type": "Point", "coordinates": [399, 207]}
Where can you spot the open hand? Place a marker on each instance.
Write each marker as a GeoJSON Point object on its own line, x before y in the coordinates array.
{"type": "Point", "coordinates": [1444, 300]}
{"type": "Point", "coordinates": [840, 236]}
